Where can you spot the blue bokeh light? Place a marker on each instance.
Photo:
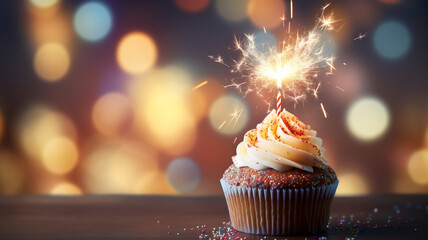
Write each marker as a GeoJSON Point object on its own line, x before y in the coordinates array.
{"type": "Point", "coordinates": [183, 174]}
{"type": "Point", "coordinates": [391, 40]}
{"type": "Point", "coordinates": [93, 21]}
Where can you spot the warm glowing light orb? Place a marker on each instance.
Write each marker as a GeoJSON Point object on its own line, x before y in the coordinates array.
{"type": "Point", "coordinates": [60, 155]}
{"type": "Point", "coordinates": [391, 40]}
{"type": "Point", "coordinates": [40, 124]}
{"type": "Point", "coordinates": [12, 174]}
{"type": "Point", "coordinates": [368, 118]}
{"type": "Point", "coordinates": [116, 166]}
{"type": "Point", "coordinates": [232, 11]}
{"type": "Point", "coordinates": [183, 174]}
{"type": "Point", "coordinates": [417, 167]}
{"type": "Point", "coordinates": [164, 113]}
{"type": "Point", "coordinates": [43, 3]}
{"type": "Point", "coordinates": [56, 28]}
{"type": "Point", "coordinates": [351, 184]}
{"type": "Point", "coordinates": [51, 62]}
{"type": "Point", "coordinates": [136, 53]}
{"type": "Point", "coordinates": [192, 6]}
{"type": "Point", "coordinates": [266, 13]}
{"type": "Point", "coordinates": [228, 115]}
{"type": "Point", "coordinates": [93, 21]}
{"type": "Point", "coordinates": [112, 114]}
{"type": "Point", "coordinates": [65, 188]}
{"type": "Point", "coordinates": [154, 182]}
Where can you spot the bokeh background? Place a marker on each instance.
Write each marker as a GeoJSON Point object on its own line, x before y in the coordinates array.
{"type": "Point", "coordinates": [98, 96]}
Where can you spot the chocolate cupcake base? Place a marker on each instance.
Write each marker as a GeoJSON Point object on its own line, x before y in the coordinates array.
{"type": "Point", "coordinates": [279, 211]}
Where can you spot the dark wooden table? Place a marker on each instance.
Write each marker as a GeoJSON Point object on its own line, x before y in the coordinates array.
{"type": "Point", "coordinates": [162, 217]}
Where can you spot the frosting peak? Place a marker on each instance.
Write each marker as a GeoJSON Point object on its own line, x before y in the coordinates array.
{"type": "Point", "coordinates": [280, 142]}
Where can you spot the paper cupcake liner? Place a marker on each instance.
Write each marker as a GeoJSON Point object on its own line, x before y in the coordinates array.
{"type": "Point", "coordinates": [279, 211]}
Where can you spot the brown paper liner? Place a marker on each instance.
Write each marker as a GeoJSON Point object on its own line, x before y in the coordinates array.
{"type": "Point", "coordinates": [279, 211]}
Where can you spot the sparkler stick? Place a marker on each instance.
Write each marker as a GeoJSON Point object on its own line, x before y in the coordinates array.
{"type": "Point", "coordinates": [278, 99]}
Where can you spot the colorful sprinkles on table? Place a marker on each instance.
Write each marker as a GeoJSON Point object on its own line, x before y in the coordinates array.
{"type": "Point", "coordinates": [352, 226]}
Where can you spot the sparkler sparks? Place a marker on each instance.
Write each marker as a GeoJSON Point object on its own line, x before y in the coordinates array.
{"type": "Point", "coordinates": [236, 115]}
{"type": "Point", "coordinates": [341, 89]}
{"type": "Point", "coordinates": [283, 19]}
{"type": "Point", "coordinates": [291, 67]}
{"type": "Point", "coordinates": [221, 125]}
{"type": "Point", "coordinates": [199, 85]}
{"type": "Point", "coordinates": [323, 110]}
{"type": "Point", "coordinates": [361, 36]}
{"type": "Point", "coordinates": [315, 91]}
{"type": "Point", "coordinates": [293, 64]}
{"type": "Point", "coordinates": [218, 59]}
{"type": "Point", "coordinates": [326, 22]}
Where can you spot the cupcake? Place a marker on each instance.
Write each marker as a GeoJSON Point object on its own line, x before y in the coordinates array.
{"type": "Point", "coordinates": [279, 182]}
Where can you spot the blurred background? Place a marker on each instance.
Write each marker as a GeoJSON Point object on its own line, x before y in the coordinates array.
{"type": "Point", "coordinates": [121, 97]}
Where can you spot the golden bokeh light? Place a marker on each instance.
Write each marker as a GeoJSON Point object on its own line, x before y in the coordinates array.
{"type": "Point", "coordinates": [38, 13]}
{"type": "Point", "coordinates": [39, 125]}
{"type": "Point", "coordinates": [60, 155]}
{"type": "Point", "coordinates": [65, 188]}
{"type": "Point", "coordinates": [351, 184]}
{"type": "Point", "coordinates": [228, 115]}
{"type": "Point", "coordinates": [154, 183]}
{"type": "Point", "coordinates": [367, 118]}
{"type": "Point", "coordinates": [53, 29]}
{"type": "Point", "coordinates": [44, 3]}
{"type": "Point", "coordinates": [192, 5]}
{"type": "Point", "coordinates": [51, 62]}
{"type": "Point", "coordinates": [232, 11]}
{"type": "Point", "coordinates": [426, 138]}
{"type": "Point", "coordinates": [417, 167]}
{"type": "Point", "coordinates": [112, 114]}
{"type": "Point", "coordinates": [266, 13]}
{"type": "Point", "coordinates": [136, 53]}
{"type": "Point", "coordinates": [163, 109]}
{"type": "Point", "coordinates": [403, 183]}
{"type": "Point", "coordinates": [116, 166]}
{"type": "Point", "coordinates": [11, 173]}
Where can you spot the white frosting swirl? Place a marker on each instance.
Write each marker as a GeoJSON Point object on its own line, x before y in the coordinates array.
{"type": "Point", "coordinates": [280, 142]}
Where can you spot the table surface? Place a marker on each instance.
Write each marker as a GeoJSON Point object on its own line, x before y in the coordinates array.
{"type": "Point", "coordinates": [174, 217]}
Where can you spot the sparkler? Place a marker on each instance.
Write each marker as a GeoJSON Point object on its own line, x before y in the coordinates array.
{"type": "Point", "coordinates": [292, 66]}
